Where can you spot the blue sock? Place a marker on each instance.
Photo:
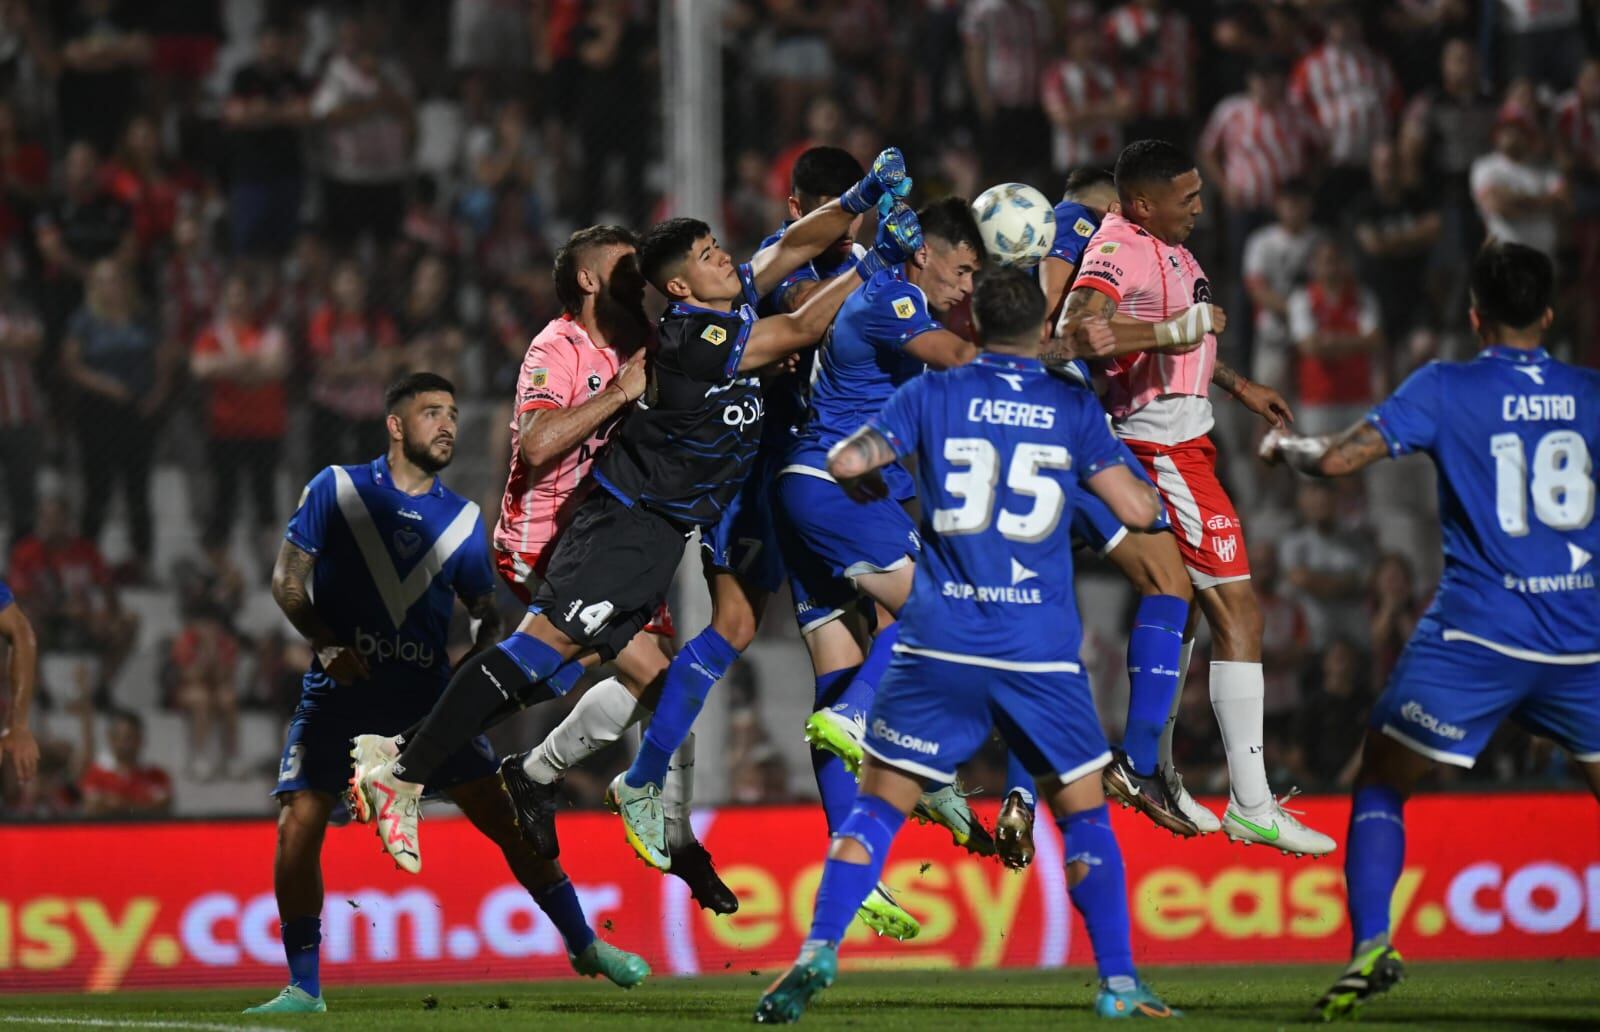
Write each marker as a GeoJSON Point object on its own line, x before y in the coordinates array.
{"type": "Point", "coordinates": [301, 938]}
{"type": "Point", "coordinates": [1018, 779]}
{"type": "Point", "coordinates": [1375, 851]}
{"type": "Point", "coordinates": [835, 784]}
{"type": "Point", "coordinates": [873, 823]}
{"type": "Point", "coordinates": [562, 680]}
{"type": "Point", "coordinates": [1153, 652]}
{"type": "Point", "coordinates": [1102, 896]}
{"type": "Point", "coordinates": [865, 684]}
{"type": "Point", "coordinates": [538, 660]}
{"type": "Point", "coordinates": [690, 678]}
{"type": "Point", "coordinates": [560, 904]}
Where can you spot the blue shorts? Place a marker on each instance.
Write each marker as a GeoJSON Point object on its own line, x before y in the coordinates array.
{"type": "Point", "coordinates": [931, 715]}
{"type": "Point", "coordinates": [1094, 526]}
{"type": "Point", "coordinates": [851, 538]}
{"type": "Point", "coordinates": [744, 541]}
{"type": "Point", "coordinates": [1445, 699]}
{"type": "Point", "coordinates": [316, 749]}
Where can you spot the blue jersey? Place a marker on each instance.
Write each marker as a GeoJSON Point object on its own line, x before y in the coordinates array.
{"type": "Point", "coordinates": [861, 362]}
{"type": "Point", "coordinates": [389, 566]}
{"type": "Point", "coordinates": [1001, 449]}
{"type": "Point", "coordinates": [1075, 224]}
{"type": "Point", "coordinates": [6, 597]}
{"type": "Point", "coordinates": [1512, 433]}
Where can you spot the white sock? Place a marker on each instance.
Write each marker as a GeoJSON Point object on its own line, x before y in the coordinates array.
{"type": "Point", "coordinates": [1164, 757]}
{"type": "Point", "coordinates": [677, 795]}
{"type": "Point", "coordinates": [600, 718]}
{"type": "Point", "coordinates": [1238, 697]}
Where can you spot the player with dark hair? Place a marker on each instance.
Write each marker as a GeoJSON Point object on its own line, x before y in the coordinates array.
{"type": "Point", "coordinates": [673, 466]}
{"type": "Point", "coordinates": [1514, 630]}
{"type": "Point", "coordinates": [1090, 193]}
{"type": "Point", "coordinates": [990, 632]}
{"type": "Point", "coordinates": [1137, 273]}
{"type": "Point", "coordinates": [369, 571]}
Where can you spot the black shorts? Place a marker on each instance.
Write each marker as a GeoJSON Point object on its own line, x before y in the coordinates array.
{"type": "Point", "coordinates": [610, 570]}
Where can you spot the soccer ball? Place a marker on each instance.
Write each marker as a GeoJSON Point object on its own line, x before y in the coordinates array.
{"type": "Point", "coordinates": [1017, 223]}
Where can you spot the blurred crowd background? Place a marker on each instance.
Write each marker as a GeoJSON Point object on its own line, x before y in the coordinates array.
{"type": "Point", "coordinates": [226, 224]}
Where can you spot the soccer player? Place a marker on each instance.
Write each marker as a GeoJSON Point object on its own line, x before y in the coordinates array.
{"type": "Point", "coordinates": [369, 571]}
{"type": "Point", "coordinates": [990, 632]}
{"type": "Point", "coordinates": [1090, 193]}
{"type": "Point", "coordinates": [885, 335]}
{"type": "Point", "coordinates": [17, 737]}
{"type": "Point", "coordinates": [1514, 630]}
{"type": "Point", "coordinates": [580, 375]}
{"type": "Point", "coordinates": [1137, 269]}
{"type": "Point", "coordinates": [672, 467]}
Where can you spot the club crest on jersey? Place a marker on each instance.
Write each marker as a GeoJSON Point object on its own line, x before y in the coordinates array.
{"type": "Point", "coordinates": [714, 335]}
{"type": "Point", "coordinates": [1110, 248]}
{"type": "Point", "coordinates": [904, 308]}
{"type": "Point", "coordinates": [1225, 547]}
{"type": "Point", "coordinates": [1083, 227]}
{"type": "Point", "coordinates": [594, 383]}
{"type": "Point", "coordinates": [539, 377]}
{"type": "Point", "coordinates": [406, 542]}
{"type": "Point", "coordinates": [1172, 259]}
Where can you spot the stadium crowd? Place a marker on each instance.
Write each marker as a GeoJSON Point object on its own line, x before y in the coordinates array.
{"type": "Point", "coordinates": [224, 226]}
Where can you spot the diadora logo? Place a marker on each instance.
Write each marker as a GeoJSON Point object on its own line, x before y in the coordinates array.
{"type": "Point", "coordinates": [1014, 379]}
{"type": "Point", "coordinates": [409, 514]}
{"type": "Point", "coordinates": [1219, 522]}
{"type": "Point", "coordinates": [1225, 547]}
{"type": "Point", "coordinates": [1532, 372]}
{"type": "Point", "coordinates": [912, 742]}
{"type": "Point", "coordinates": [1413, 712]}
{"type": "Point", "coordinates": [394, 649]}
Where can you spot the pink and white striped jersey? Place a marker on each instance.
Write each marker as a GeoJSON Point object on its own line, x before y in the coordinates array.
{"type": "Point", "coordinates": [562, 368]}
{"type": "Point", "coordinates": [1156, 51]}
{"type": "Point", "coordinates": [1071, 86]}
{"type": "Point", "coordinates": [1151, 396]}
{"type": "Point", "coordinates": [1353, 93]}
{"type": "Point", "coordinates": [1578, 126]}
{"type": "Point", "coordinates": [1262, 147]}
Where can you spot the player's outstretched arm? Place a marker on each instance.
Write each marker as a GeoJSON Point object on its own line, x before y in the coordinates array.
{"type": "Point", "coordinates": [1080, 334]}
{"type": "Point", "coordinates": [854, 462]}
{"type": "Point", "coordinates": [1328, 455]}
{"type": "Point", "coordinates": [1055, 276]}
{"type": "Point", "coordinates": [1134, 502]}
{"type": "Point", "coordinates": [291, 575]}
{"type": "Point", "coordinates": [17, 738]}
{"type": "Point", "coordinates": [1257, 397]}
{"type": "Point", "coordinates": [544, 435]}
{"type": "Point", "coordinates": [809, 236]}
{"type": "Point", "coordinates": [941, 349]}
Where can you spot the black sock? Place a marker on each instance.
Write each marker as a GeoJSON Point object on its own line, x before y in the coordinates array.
{"type": "Point", "coordinates": [530, 696]}
{"type": "Point", "coordinates": [488, 685]}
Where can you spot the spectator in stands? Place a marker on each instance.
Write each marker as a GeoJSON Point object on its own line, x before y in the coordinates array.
{"type": "Point", "coordinates": [21, 406]}
{"type": "Point", "coordinates": [1329, 724]}
{"type": "Point", "coordinates": [1578, 151]}
{"type": "Point", "coordinates": [1394, 228]}
{"type": "Point", "coordinates": [1539, 40]}
{"type": "Point", "coordinates": [1155, 51]}
{"type": "Point", "coordinates": [613, 93]}
{"type": "Point", "coordinates": [1327, 565]}
{"type": "Point", "coordinates": [1005, 43]}
{"type": "Point", "coordinates": [354, 350]}
{"type": "Point", "coordinates": [363, 104]}
{"type": "Point", "coordinates": [1393, 609]}
{"type": "Point", "coordinates": [1352, 91]}
{"type": "Point", "coordinates": [121, 784]}
{"type": "Point", "coordinates": [75, 230]}
{"type": "Point", "coordinates": [824, 128]}
{"type": "Point", "coordinates": [205, 661]}
{"type": "Point", "coordinates": [499, 159]}
{"type": "Point", "coordinates": [122, 373]}
{"type": "Point", "coordinates": [63, 582]}
{"type": "Point", "coordinates": [190, 280]}
{"type": "Point", "coordinates": [1083, 98]}
{"type": "Point", "coordinates": [1254, 144]}
{"type": "Point", "coordinates": [1277, 258]}
{"type": "Point", "coordinates": [138, 177]}
{"type": "Point", "coordinates": [427, 320]}
{"type": "Point", "coordinates": [103, 57]}
{"type": "Point", "coordinates": [1520, 197]}
{"type": "Point", "coordinates": [1285, 630]}
{"type": "Point", "coordinates": [24, 174]}
{"type": "Point", "coordinates": [1337, 332]}
{"type": "Point", "coordinates": [266, 111]}
{"type": "Point", "coordinates": [242, 360]}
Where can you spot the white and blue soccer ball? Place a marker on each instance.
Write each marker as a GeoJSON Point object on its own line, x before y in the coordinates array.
{"type": "Point", "coordinates": [1017, 223]}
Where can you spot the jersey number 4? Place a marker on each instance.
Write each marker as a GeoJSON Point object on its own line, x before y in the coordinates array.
{"type": "Point", "coordinates": [974, 481]}
{"type": "Point", "coordinates": [1561, 485]}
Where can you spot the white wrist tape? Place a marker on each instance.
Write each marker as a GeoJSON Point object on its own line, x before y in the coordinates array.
{"type": "Point", "coordinates": [1187, 327]}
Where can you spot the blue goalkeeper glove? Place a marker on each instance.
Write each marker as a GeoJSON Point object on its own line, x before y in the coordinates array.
{"type": "Point", "coordinates": [887, 178]}
{"type": "Point", "coordinates": [899, 237]}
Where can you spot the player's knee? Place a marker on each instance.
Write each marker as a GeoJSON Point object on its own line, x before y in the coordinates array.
{"type": "Point", "coordinates": [736, 624]}
{"type": "Point", "coordinates": [1158, 577]}
{"type": "Point", "coordinates": [302, 821]}
{"type": "Point", "coordinates": [1236, 624]}
{"type": "Point", "coordinates": [848, 849]}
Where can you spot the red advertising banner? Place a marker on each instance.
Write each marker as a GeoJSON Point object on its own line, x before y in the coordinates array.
{"type": "Point", "coordinates": [100, 907]}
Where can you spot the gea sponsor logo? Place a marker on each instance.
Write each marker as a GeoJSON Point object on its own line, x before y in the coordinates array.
{"type": "Point", "coordinates": [394, 649]}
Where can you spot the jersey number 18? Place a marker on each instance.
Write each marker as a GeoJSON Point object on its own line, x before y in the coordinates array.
{"type": "Point", "coordinates": [1561, 485]}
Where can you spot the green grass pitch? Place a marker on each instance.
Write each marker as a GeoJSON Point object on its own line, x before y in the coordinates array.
{"type": "Point", "coordinates": [1522, 995]}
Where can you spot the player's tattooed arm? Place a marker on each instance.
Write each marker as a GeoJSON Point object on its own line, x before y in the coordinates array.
{"type": "Point", "coordinates": [488, 626]}
{"type": "Point", "coordinates": [291, 576]}
{"type": "Point", "coordinates": [1258, 398]}
{"type": "Point", "coordinates": [545, 435]}
{"type": "Point", "coordinates": [854, 462]}
{"type": "Point", "coordinates": [1329, 455]}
